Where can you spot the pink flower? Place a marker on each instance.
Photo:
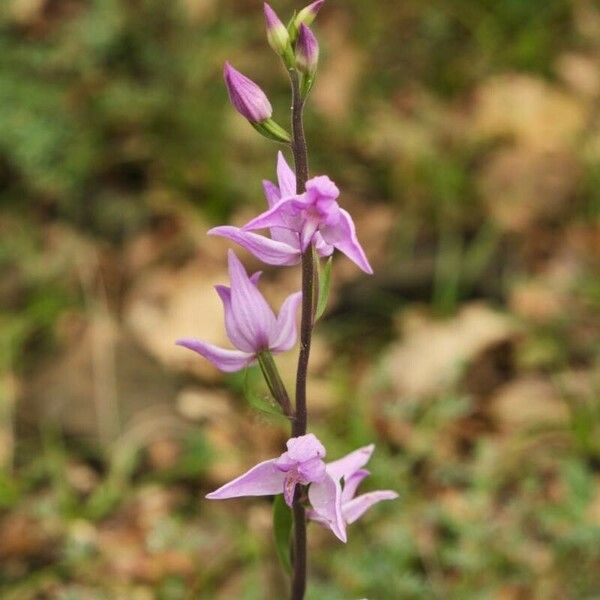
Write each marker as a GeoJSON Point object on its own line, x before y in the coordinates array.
{"type": "Point", "coordinates": [283, 247]}
{"type": "Point", "coordinates": [297, 221]}
{"type": "Point", "coordinates": [349, 469]}
{"type": "Point", "coordinates": [313, 216]}
{"type": "Point", "coordinates": [246, 96]}
{"type": "Point", "coordinates": [302, 464]}
{"type": "Point", "coordinates": [250, 323]}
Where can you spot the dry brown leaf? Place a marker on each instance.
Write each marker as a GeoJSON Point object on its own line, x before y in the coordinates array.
{"type": "Point", "coordinates": [536, 114]}
{"type": "Point", "coordinates": [526, 403]}
{"type": "Point", "coordinates": [431, 355]}
{"type": "Point", "coordinates": [520, 186]}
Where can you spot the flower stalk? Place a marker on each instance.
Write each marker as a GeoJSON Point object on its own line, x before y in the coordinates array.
{"type": "Point", "coordinates": [300, 421]}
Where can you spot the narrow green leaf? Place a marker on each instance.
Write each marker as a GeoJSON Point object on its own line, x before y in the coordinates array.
{"type": "Point", "coordinates": [282, 530]}
{"type": "Point", "coordinates": [324, 287]}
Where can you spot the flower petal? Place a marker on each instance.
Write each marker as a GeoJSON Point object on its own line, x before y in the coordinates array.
{"type": "Point", "coordinates": [237, 340]}
{"type": "Point", "coordinates": [349, 464]}
{"type": "Point", "coordinates": [325, 498]}
{"type": "Point", "coordinates": [351, 484]}
{"type": "Point", "coordinates": [285, 213]}
{"type": "Point", "coordinates": [356, 508]}
{"type": "Point", "coordinates": [321, 246]}
{"type": "Point", "coordinates": [262, 480]}
{"type": "Point", "coordinates": [285, 177]}
{"type": "Point", "coordinates": [269, 251]}
{"type": "Point", "coordinates": [343, 237]}
{"type": "Point", "coordinates": [271, 193]}
{"type": "Point", "coordinates": [225, 360]}
{"type": "Point", "coordinates": [279, 234]}
{"type": "Point", "coordinates": [284, 336]}
{"type": "Point", "coordinates": [304, 447]}
{"type": "Point", "coordinates": [251, 316]}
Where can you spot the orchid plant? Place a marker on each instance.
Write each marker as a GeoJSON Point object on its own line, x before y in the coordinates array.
{"type": "Point", "coordinates": [306, 224]}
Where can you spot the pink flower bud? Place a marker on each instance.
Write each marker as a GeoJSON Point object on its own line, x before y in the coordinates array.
{"type": "Point", "coordinates": [247, 97]}
{"type": "Point", "coordinates": [308, 13]}
{"type": "Point", "coordinates": [277, 33]}
{"type": "Point", "coordinates": [307, 51]}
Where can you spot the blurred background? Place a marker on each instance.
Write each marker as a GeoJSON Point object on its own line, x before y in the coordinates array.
{"type": "Point", "coordinates": [465, 135]}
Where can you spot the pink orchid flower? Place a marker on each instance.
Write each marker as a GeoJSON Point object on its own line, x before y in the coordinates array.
{"type": "Point", "coordinates": [283, 247]}
{"type": "Point", "coordinates": [249, 321]}
{"type": "Point", "coordinates": [302, 464]}
{"type": "Point", "coordinates": [297, 221]}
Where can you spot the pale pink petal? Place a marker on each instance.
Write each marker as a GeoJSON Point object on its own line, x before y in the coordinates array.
{"type": "Point", "coordinates": [271, 193]}
{"type": "Point", "coordinates": [251, 316]}
{"type": "Point", "coordinates": [225, 360]}
{"type": "Point", "coordinates": [285, 177]}
{"type": "Point", "coordinates": [269, 251]}
{"type": "Point", "coordinates": [284, 335]}
{"type": "Point", "coordinates": [304, 447]}
{"type": "Point", "coordinates": [343, 237]}
{"type": "Point", "coordinates": [230, 326]}
{"type": "Point", "coordinates": [356, 508]}
{"type": "Point", "coordinates": [349, 464]}
{"type": "Point", "coordinates": [351, 484]}
{"type": "Point", "coordinates": [262, 480]}
{"type": "Point", "coordinates": [321, 246]}
{"type": "Point", "coordinates": [325, 498]}
{"type": "Point", "coordinates": [279, 234]}
{"type": "Point", "coordinates": [284, 214]}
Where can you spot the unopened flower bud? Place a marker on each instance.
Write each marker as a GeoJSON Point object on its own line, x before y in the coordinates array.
{"type": "Point", "coordinates": [307, 51]}
{"type": "Point", "coordinates": [308, 13]}
{"type": "Point", "coordinates": [277, 33]}
{"type": "Point", "coordinates": [247, 97]}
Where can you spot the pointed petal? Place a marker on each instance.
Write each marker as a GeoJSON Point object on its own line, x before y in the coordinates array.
{"type": "Point", "coordinates": [326, 498]}
{"type": "Point", "coordinates": [321, 246]}
{"type": "Point", "coordinates": [279, 233]}
{"type": "Point", "coordinates": [285, 177]}
{"type": "Point", "coordinates": [284, 336]}
{"type": "Point", "coordinates": [351, 484]}
{"type": "Point", "coordinates": [283, 214]}
{"type": "Point", "coordinates": [225, 360]}
{"type": "Point", "coordinates": [271, 252]}
{"type": "Point", "coordinates": [262, 480]}
{"type": "Point", "coordinates": [271, 193]}
{"type": "Point", "coordinates": [356, 508]}
{"type": "Point", "coordinates": [237, 340]}
{"type": "Point", "coordinates": [349, 464]}
{"type": "Point", "coordinates": [255, 277]}
{"type": "Point", "coordinates": [251, 316]}
{"type": "Point", "coordinates": [343, 237]}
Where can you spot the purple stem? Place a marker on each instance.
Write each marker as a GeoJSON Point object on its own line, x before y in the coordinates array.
{"type": "Point", "coordinates": [299, 423]}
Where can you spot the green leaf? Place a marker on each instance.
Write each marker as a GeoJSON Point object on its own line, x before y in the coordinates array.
{"type": "Point", "coordinates": [324, 287]}
{"type": "Point", "coordinates": [282, 530]}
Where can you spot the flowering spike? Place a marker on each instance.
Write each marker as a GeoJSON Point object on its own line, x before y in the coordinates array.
{"type": "Point", "coordinates": [307, 51]}
{"type": "Point", "coordinates": [246, 96]}
{"type": "Point", "coordinates": [277, 33]}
